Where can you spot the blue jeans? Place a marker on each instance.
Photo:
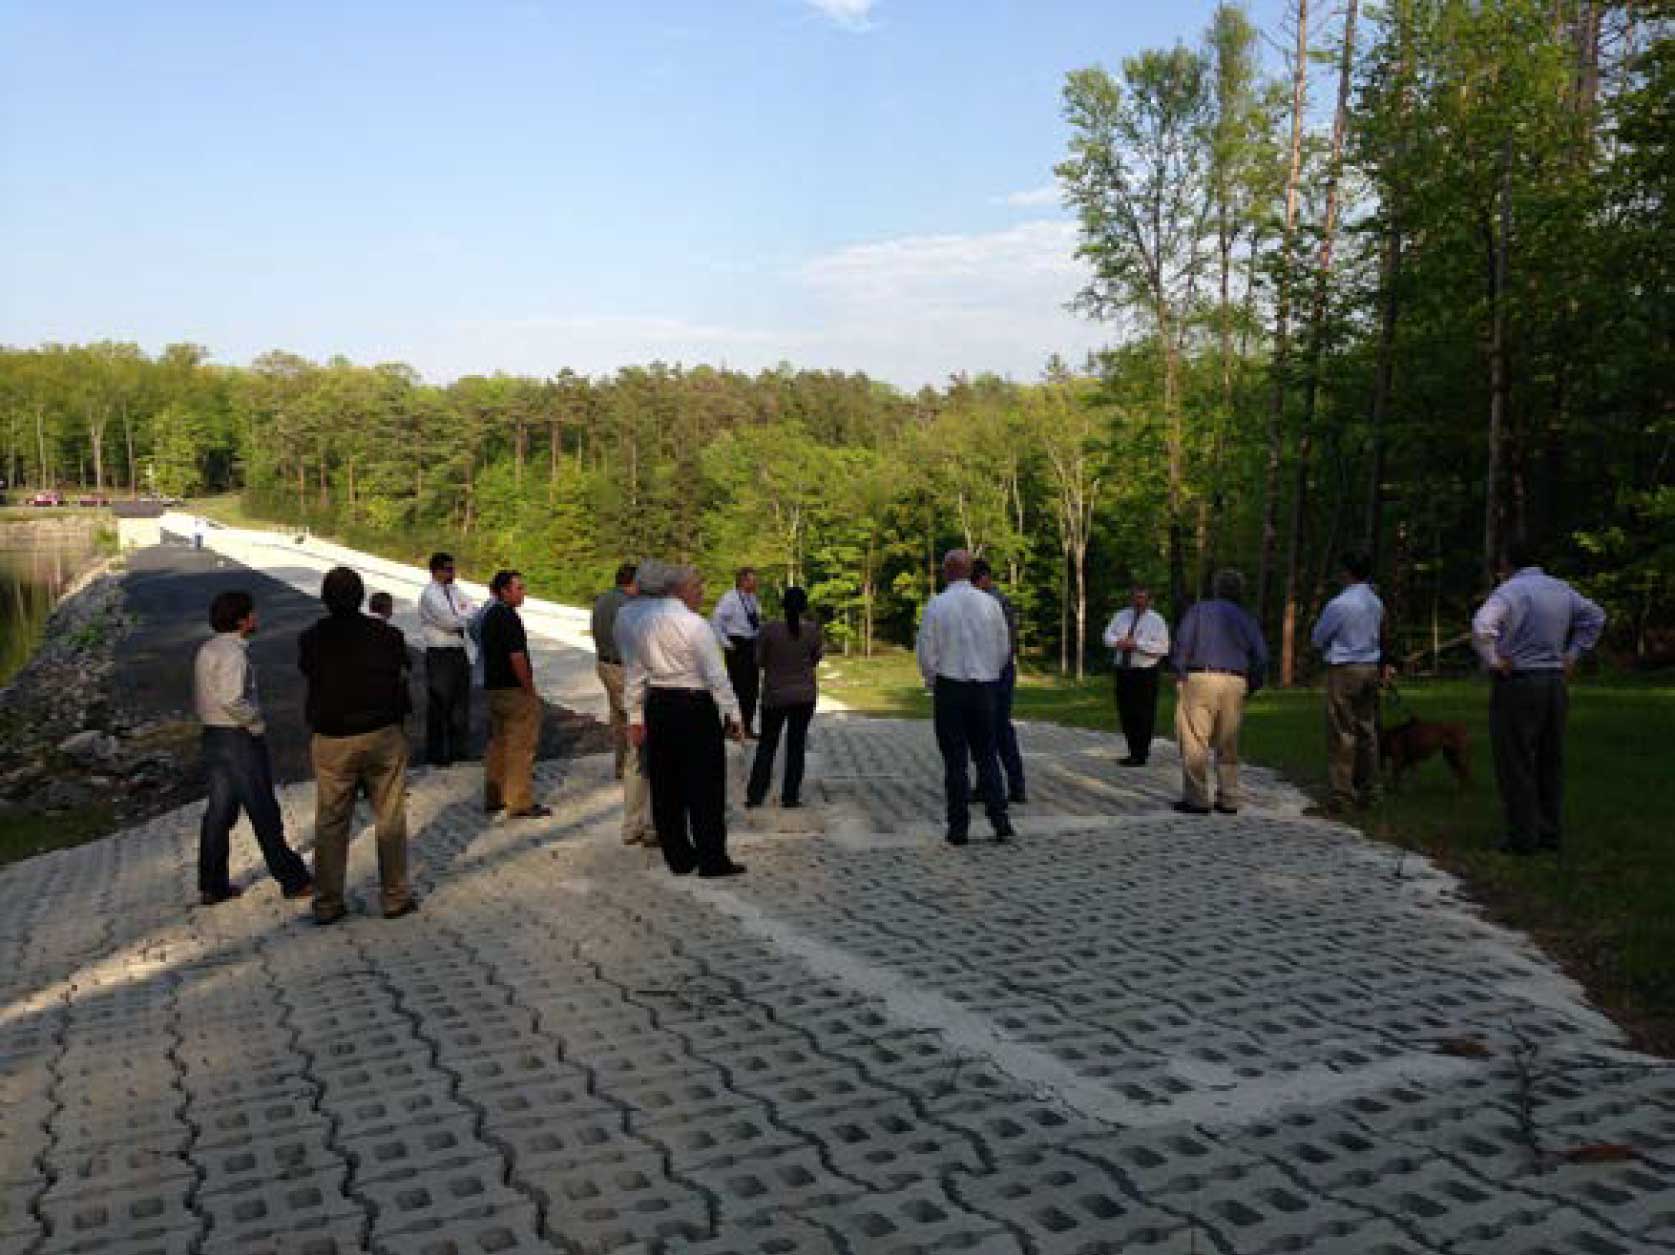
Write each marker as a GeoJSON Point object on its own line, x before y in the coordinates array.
{"type": "Point", "coordinates": [240, 777]}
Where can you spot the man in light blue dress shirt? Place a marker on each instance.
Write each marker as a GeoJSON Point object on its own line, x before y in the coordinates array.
{"type": "Point", "coordinates": [1350, 634]}
{"type": "Point", "coordinates": [1529, 634]}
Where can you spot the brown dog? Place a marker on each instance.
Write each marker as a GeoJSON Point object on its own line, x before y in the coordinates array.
{"type": "Point", "coordinates": [1411, 743]}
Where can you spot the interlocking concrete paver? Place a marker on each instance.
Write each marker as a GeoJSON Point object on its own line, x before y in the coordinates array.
{"type": "Point", "coordinates": [1124, 1031]}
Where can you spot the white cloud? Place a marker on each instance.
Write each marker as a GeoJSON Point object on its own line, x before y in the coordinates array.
{"type": "Point", "coordinates": [855, 15]}
{"type": "Point", "coordinates": [1034, 198]}
{"type": "Point", "coordinates": [911, 310]}
{"type": "Point", "coordinates": [918, 308]}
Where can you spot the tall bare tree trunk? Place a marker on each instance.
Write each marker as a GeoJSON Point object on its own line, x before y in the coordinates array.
{"type": "Point", "coordinates": [1500, 243]}
{"type": "Point", "coordinates": [1317, 344]}
{"type": "Point", "coordinates": [1282, 320]}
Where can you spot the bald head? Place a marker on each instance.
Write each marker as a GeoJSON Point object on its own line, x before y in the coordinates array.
{"type": "Point", "coordinates": [956, 565]}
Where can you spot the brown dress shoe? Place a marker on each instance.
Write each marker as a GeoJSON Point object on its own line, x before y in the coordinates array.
{"type": "Point", "coordinates": [301, 892]}
{"type": "Point", "coordinates": [216, 899]}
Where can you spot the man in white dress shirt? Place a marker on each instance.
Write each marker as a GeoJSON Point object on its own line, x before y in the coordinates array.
{"type": "Point", "coordinates": [1138, 639]}
{"type": "Point", "coordinates": [444, 613]}
{"type": "Point", "coordinates": [680, 705]}
{"type": "Point", "coordinates": [964, 646]}
{"type": "Point", "coordinates": [738, 622]}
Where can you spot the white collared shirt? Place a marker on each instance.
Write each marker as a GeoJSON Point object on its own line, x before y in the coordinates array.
{"type": "Point", "coordinates": [669, 647]}
{"type": "Point", "coordinates": [963, 636]}
{"type": "Point", "coordinates": [1151, 638]}
{"type": "Point", "coordinates": [443, 613]}
{"type": "Point", "coordinates": [733, 614]}
{"type": "Point", "coordinates": [224, 685]}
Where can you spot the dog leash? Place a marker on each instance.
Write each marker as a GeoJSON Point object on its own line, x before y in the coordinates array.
{"type": "Point", "coordinates": [1396, 694]}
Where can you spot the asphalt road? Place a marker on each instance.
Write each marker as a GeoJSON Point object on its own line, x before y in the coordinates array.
{"type": "Point", "coordinates": [169, 588]}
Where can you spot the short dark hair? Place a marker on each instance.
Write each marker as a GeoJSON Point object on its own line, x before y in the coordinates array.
{"type": "Point", "coordinates": [1521, 552]}
{"type": "Point", "coordinates": [738, 576]}
{"type": "Point", "coordinates": [381, 603]}
{"type": "Point", "coordinates": [1229, 585]}
{"type": "Point", "coordinates": [502, 580]}
{"type": "Point", "coordinates": [438, 560]}
{"type": "Point", "coordinates": [342, 590]}
{"type": "Point", "coordinates": [981, 569]}
{"type": "Point", "coordinates": [229, 609]}
{"type": "Point", "coordinates": [1357, 564]}
{"type": "Point", "coordinates": [625, 574]}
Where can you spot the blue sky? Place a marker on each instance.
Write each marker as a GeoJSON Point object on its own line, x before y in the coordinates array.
{"type": "Point", "coordinates": [528, 185]}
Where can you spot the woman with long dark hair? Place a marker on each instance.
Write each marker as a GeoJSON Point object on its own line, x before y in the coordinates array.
{"type": "Point", "coordinates": [788, 651]}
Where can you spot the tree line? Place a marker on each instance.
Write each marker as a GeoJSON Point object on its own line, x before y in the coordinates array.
{"type": "Point", "coordinates": [1408, 291]}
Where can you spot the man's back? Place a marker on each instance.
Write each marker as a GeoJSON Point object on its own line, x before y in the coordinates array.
{"type": "Point", "coordinates": [356, 670]}
{"type": "Point", "coordinates": [963, 635]}
{"type": "Point", "coordinates": [1536, 622]}
{"type": "Point", "coordinates": [606, 607]}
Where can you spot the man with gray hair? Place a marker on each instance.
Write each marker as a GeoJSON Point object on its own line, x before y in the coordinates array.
{"type": "Point", "coordinates": [651, 583]}
{"type": "Point", "coordinates": [680, 705]}
{"type": "Point", "coordinates": [1219, 658]}
{"type": "Point", "coordinates": [963, 647]}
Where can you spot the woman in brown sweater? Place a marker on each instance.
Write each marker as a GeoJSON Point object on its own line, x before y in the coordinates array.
{"type": "Point", "coordinates": [788, 653]}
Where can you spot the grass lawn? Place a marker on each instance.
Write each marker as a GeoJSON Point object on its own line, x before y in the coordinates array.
{"type": "Point", "coordinates": [1606, 908]}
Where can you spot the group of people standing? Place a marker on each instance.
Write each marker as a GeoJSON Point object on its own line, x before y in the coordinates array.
{"type": "Point", "coordinates": [679, 686]}
{"type": "Point", "coordinates": [356, 670]}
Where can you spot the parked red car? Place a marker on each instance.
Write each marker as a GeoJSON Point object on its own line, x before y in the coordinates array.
{"type": "Point", "coordinates": [47, 498]}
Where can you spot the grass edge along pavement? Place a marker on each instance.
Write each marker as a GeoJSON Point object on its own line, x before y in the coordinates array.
{"type": "Point", "coordinates": [1605, 908]}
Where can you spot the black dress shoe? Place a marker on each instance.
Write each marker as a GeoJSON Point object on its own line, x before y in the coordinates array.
{"type": "Point", "coordinates": [789, 804]}
{"type": "Point", "coordinates": [304, 890]}
{"type": "Point", "coordinates": [1004, 829]}
{"type": "Point", "coordinates": [534, 812]}
{"type": "Point", "coordinates": [727, 868]}
{"type": "Point", "coordinates": [1517, 849]}
{"type": "Point", "coordinates": [751, 804]}
{"type": "Point", "coordinates": [1187, 808]}
{"type": "Point", "coordinates": [335, 918]}
{"type": "Point", "coordinates": [956, 837]}
{"type": "Point", "coordinates": [1131, 761]}
{"type": "Point", "coordinates": [226, 895]}
{"type": "Point", "coordinates": [1226, 810]}
{"type": "Point", "coordinates": [1020, 798]}
{"type": "Point", "coordinates": [493, 808]}
{"type": "Point", "coordinates": [408, 907]}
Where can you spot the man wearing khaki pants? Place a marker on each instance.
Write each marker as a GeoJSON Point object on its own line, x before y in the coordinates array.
{"type": "Point", "coordinates": [1350, 634]}
{"type": "Point", "coordinates": [1219, 658]}
{"type": "Point", "coordinates": [609, 660]}
{"type": "Point", "coordinates": [514, 706]}
{"type": "Point", "coordinates": [357, 693]}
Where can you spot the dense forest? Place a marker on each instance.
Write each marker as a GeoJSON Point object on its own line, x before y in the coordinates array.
{"type": "Point", "coordinates": [1408, 289]}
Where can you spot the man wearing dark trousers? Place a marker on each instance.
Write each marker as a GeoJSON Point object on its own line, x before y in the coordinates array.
{"type": "Point", "coordinates": [1006, 736]}
{"type": "Point", "coordinates": [444, 612]}
{"type": "Point", "coordinates": [235, 757]}
{"type": "Point", "coordinates": [962, 650]}
{"type": "Point", "coordinates": [357, 689]}
{"type": "Point", "coordinates": [680, 707]}
{"type": "Point", "coordinates": [738, 622]}
{"type": "Point", "coordinates": [1138, 639]}
{"type": "Point", "coordinates": [1529, 634]}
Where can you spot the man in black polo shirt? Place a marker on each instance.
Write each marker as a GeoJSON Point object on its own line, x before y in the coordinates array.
{"type": "Point", "coordinates": [514, 706]}
{"type": "Point", "coordinates": [357, 693]}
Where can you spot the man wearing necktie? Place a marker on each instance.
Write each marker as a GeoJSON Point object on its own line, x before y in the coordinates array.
{"type": "Point", "coordinates": [1140, 640]}
{"type": "Point", "coordinates": [444, 612]}
{"type": "Point", "coordinates": [737, 621]}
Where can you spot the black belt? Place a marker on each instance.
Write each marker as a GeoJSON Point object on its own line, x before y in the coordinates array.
{"type": "Point", "coordinates": [1532, 673]}
{"type": "Point", "coordinates": [682, 695]}
{"type": "Point", "coordinates": [1214, 671]}
{"type": "Point", "coordinates": [1351, 664]}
